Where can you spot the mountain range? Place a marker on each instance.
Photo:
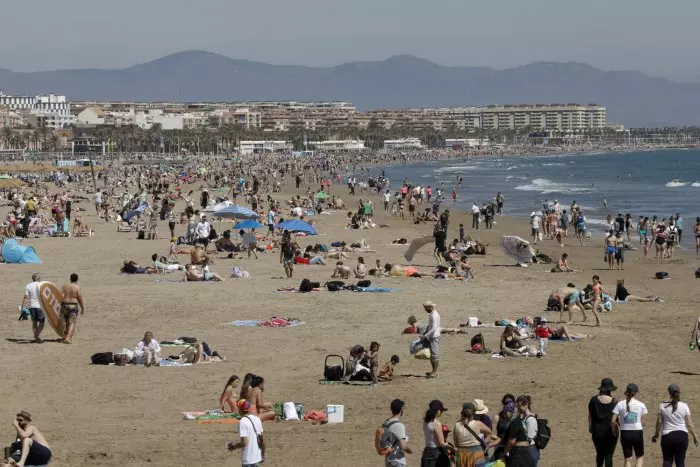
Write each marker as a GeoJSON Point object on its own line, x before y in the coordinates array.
{"type": "Point", "coordinates": [631, 97]}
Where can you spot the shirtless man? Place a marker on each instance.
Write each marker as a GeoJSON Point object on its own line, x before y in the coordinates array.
{"type": "Point", "coordinates": [197, 256]}
{"type": "Point", "coordinates": [72, 300]}
{"type": "Point", "coordinates": [35, 449]}
{"type": "Point", "coordinates": [574, 297]}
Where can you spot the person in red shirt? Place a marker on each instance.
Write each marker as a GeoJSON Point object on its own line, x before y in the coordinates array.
{"type": "Point", "coordinates": [543, 333]}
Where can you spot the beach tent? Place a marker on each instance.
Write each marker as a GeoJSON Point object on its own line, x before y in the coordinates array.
{"type": "Point", "coordinates": [296, 225]}
{"type": "Point", "coordinates": [518, 249]}
{"type": "Point", "coordinates": [15, 253]}
{"type": "Point", "coordinates": [248, 224]}
{"type": "Point", "coordinates": [138, 210]}
{"type": "Point", "coordinates": [416, 245]}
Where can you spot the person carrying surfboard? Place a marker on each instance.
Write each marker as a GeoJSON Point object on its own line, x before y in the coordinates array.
{"type": "Point", "coordinates": [72, 300]}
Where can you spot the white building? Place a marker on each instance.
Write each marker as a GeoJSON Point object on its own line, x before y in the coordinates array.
{"type": "Point", "coordinates": [405, 143]}
{"type": "Point", "coordinates": [261, 147]}
{"type": "Point", "coordinates": [338, 145]}
{"type": "Point", "coordinates": [50, 110]}
{"type": "Point", "coordinates": [466, 143]}
{"type": "Point", "coordinates": [555, 117]}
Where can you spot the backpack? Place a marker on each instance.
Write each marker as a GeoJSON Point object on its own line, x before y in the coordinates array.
{"type": "Point", "coordinates": [102, 358]}
{"type": "Point", "coordinates": [662, 275]}
{"type": "Point", "coordinates": [384, 439]}
{"type": "Point", "coordinates": [335, 286]}
{"type": "Point", "coordinates": [477, 339]}
{"type": "Point", "coordinates": [305, 286]}
{"type": "Point", "coordinates": [364, 283]}
{"type": "Point", "coordinates": [544, 433]}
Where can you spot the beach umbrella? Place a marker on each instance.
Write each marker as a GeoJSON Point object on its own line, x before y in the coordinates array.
{"type": "Point", "coordinates": [247, 224]}
{"type": "Point", "coordinates": [518, 249]}
{"type": "Point", "coordinates": [415, 245]}
{"type": "Point", "coordinates": [235, 212]}
{"type": "Point", "coordinates": [321, 195]}
{"type": "Point", "coordinates": [295, 225]}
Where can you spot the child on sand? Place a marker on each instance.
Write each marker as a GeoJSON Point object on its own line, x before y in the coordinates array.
{"type": "Point", "coordinates": [374, 361]}
{"type": "Point", "coordinates": [387, 371]}
{"type": "Point", "coordinates": [543, 332]}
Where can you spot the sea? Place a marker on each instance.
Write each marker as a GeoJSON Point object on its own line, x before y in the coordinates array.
{"type": "Point", "coordinates": [644, 183]}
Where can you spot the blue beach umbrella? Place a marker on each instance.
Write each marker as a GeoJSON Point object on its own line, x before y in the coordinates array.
{"type": "Point", "coordinates": [247, 224]}
{"type": "Point", "coordinates": [295, 225]}
{"type": "Point", "coordinates": [235, 212]}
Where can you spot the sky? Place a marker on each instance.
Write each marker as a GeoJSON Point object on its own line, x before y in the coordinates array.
{"type": "Point", "coordinates": [658, 38]}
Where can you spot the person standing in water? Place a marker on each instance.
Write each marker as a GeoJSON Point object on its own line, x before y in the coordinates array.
{"type": "Point", "coordinates": [72, 301]}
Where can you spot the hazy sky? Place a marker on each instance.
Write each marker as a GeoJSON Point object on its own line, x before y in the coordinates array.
{"type": "Point", "coordinates": [657, 37]}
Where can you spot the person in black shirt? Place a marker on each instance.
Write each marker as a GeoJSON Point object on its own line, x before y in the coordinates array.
{"type": "Point", "coordinates": [600, 410]}
{"type": "Point", "coordinates": [517, 445]}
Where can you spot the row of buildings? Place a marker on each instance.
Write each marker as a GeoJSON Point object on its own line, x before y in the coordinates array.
{"type": "Point", "coordinates": [55, 112]}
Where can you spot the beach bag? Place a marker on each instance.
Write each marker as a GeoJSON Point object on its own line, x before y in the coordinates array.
{"type": "Point", "coordinates": [423, 354]}
{"type": "Point", "coordinates": [141, 235]}
{"type": "Point", "coordinates": [335, 286]}
{"type": "Point", "coordinates": [662, 275]}
{"type": "Point", "coordinates": [697, 273]}
{"type": "Point", "coordinates": [305, 286]}
{"type": "Point", "coordinates": [290, 411]}
{"type": "Point", "coordinates": [364, 283]}
{"type": "Point", "coordinates": [333, 372]}
{"type": "Point", "coordinates": [553, 304]}
{"type": "Point", "coordinates": [544, 433]}
{"type": "Point", "coordinates": [478, 339]}
{"type": "Point", "coordinates": [384, 439]}
{"type": "Point", "coordinates": [416, 345]}
{"type": "Point", "coordinates": [189, 340]}
{"type": "Point", "coordinates": [102, 358]}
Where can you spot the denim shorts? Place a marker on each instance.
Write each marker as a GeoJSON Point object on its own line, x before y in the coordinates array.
{"type": "Point", "coordinates": [37, 314]}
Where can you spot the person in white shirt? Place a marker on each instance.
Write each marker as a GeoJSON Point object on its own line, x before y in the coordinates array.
{"type": "Point", "coordinates": [476, 213]}
{"type": "Point", "coordinates": [387, 198]}
{"type": "Point", "coordinates": [250, 432]}
{"type": "Point", "coordinates": [147, 351]}
{"type": "Point", "coordinates": [535, 226]}
{"type": "Point", "coordinates": [203, 230]}
{"type": "Point", "coordinates": [32, 302]}
{"type": "Point", "coordinates": [297, 211]}
{"type": "Point", "coordinates": [673, 423]}
{"type": "Point", "coordinates": [627, 415]}
{"type": "Point", "coordinates": [251, 242]}
{"type": "Point", "coordinates": [432, 335]}
{"type": "Point", "coordinates": [98, 201]}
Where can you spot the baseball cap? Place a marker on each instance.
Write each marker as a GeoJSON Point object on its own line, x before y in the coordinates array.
{"type": "Point", "coordinates": [397, 405]}
{"type": "Point", "coordinates": [437, 405]}
{"type": "Point", "coordinates": [468, 406]}
{"type": "Point", "coordinates": [674, 389]}
{"type": "Point", "coordinates": [25, 415]}
{"type": "Point", "coordinates": [632, 388]}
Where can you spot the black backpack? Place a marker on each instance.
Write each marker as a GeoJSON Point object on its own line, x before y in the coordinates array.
{"type": "Point", "coordinates": [102, 358]}
{"type": "Point", "coordinates": [305, 286]}
{"type": "Point", "coordinates": [335, 286]}
{"type": "Point", "coordinates": [544, 433]}
{"type": "Point", "coordinates": [477, 339]}
{"type": "Point", "coordinates": [364, 283]}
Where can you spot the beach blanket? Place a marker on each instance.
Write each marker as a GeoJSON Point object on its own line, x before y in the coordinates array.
{"type": "Point", "coordinates": [210, 415]}
{"type": "Point", "coordinates": [347, 383]}
{"type": "Point", "coordinates": [218, 421]}
{"type": "Point", "coordinates": [377, 289]}
{"type": "Point", "coordinates": [268, 323]}
{"type": "Point", "coordinates": [165, 362]}
{"type": "Point", "coordinates": [296, 289]}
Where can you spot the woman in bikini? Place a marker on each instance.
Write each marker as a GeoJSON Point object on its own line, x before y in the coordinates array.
{"type": "Point", "coordinates": [226, 402]}
{"type": "Point", "coordinates": [257, 404]}
{"type": "Point", "coordinates": [660, 241]}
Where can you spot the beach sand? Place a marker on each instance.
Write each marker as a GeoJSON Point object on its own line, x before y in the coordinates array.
{"type": "Point", "coordinates": [116, 416]}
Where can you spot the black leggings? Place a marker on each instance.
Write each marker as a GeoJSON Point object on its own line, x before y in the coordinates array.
{"type": "Point", "coordinates": [673, 447]}
{"type": "Point", "coordinates": [604, 450]}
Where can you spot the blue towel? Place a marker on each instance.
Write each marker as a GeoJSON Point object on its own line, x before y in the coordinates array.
{"type": "Point", "coordinates": [244, 323]}
{"type": "Point", "coordinates": [377, 289]}
{"type": "Point", "coordinates": [164, 362]}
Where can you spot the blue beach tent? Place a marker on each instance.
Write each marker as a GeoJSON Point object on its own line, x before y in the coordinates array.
{"type": "Point", "coordinates": [15, 253]}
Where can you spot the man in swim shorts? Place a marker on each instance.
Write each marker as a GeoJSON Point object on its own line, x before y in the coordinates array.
{"type": "Point", "coordinates": [72, 302]}
{"type": "Point", "coordinates": [34, 448]}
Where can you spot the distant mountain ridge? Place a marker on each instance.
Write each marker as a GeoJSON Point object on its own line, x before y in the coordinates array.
{"type": "Point", "coordinates": [631, 97]}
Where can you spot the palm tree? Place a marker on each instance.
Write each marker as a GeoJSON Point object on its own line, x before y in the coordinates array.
{"type": "Point", "coordinates": [7, 137]}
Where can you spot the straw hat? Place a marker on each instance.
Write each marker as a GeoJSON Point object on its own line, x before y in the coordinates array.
{"type": "Point", "coordinates": [428, 304]}
{"type": "Point", "coordinates": [480, 408]}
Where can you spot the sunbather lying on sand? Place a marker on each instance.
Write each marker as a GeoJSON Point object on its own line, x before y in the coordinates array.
{"type": "Point", "coordinates": [192, 274]}
{"type": "Point", "coordinates": [396, 270]}
{"type": "Point", "coordinates": [162, 265]}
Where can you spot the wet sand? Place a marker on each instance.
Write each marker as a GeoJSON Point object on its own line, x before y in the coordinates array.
{"type": "Point", "coordinates": [117, 416]}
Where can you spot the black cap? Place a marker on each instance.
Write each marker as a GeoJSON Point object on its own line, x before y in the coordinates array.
{"type": "Point", "coordinates": [437, 405]}
{"type": "Point", "coordinates": [397, 405]}
{"type": "Point", "coordinates": [607, 384]}
{"type": "Point", "coordinates": [632, 388]}
{"type": "Point", "coordinates": [468, 406]}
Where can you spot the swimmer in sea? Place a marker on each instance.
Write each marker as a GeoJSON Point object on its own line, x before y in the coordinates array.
{"type": "Point", "coordinates": [605, 200]}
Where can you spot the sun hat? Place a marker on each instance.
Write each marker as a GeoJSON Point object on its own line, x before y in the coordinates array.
{"type": "Point", "coordinates": [428, 304]}
{"type": "Point", "coordinates": [480, 407]}
{"type": "Point", "coordinates": [607, 384]}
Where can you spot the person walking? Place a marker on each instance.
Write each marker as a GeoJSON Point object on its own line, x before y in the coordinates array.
{"type": "Point", "coordinates": [627, 416]}
{"type": "Point", "coordinates": [432, 336]}
{"type": "Point", "coordinates": [72, 302]}
{"type": "Point", "coordinates": [32, 302]}
{"type": "Point", "coordinates": [600, 410]}
{"type": "Point", "coordinates": [250, 432]}
{"type": "Point", "coordinates": [673, 423]}
{"type": "Point", "coordinates": [395, 435]}
{"type": "Point", "coordinates": [435, 452]}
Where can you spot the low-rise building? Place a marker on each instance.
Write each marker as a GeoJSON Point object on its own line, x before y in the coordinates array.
{"type": "Point", "coordinates": [404, 143]}
{"type": "Point", "coordinates": [338, 145]}
{"type": "Point", "coordinates": [261, 147]}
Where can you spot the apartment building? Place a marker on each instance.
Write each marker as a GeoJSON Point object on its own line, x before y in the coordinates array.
{"type": "Point", "coordinates": [51, 110]}
{"type": "Point", "coordinates": [557, 117]}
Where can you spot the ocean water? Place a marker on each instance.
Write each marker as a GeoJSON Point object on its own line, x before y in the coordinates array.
{"type": "Point", "coordinates": [641, 183]}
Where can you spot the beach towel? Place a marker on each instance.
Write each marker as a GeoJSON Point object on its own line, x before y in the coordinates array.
{"type": "Point", "coordinates": [268, 323]}
{"type": "Point", "coordinates": [215, 414]}
{"type": "Point", "coordinates": [377, 289]}
{"type": "Point", "coordinates": [296, 289]}
{"type": "Point", "coordinates": [218, 421]}
{"type": "Point", "coordinates": [165, 362]}
{"type": "Point", "coordinates": [316, 417]}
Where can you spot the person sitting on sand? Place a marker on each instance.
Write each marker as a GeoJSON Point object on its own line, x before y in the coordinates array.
{"type": "Point", "coordinates": [464, 268]}
{"type": "Point", "coordinates": [341, 271]}
{"type": "Point", "coordinates": [198, 255]}
{"type": "Point", "coordinates": [378, 271]}
{"type": "Point", "coordinates": [162, 265]}
{"type": "Point", "coordinates": [147, 351]}
{"type": "Point", "coordinates": [361, 268]}
{"type": "Point", "coordinates": [224, 243]}
{"type": "Point", "coordinates": [193, 275]}
{"type": "Point", "coordinates": [34, 448]}
{"type": "Point", "coordinates": [80, 227]}
{"type": "Point", "coordinates": [387, 371]}
{"type": "Point", "coordinates": [622, 295]}
{"type": "Point", "coordinates": [226, 401]}
{"type": "Point", "coordinates": [563, 264]}
{"type": "Point", "coordinates": [257, 404]}
{"type": "Point", "coordinates": [510, 342]}
{"type": "Point", "coordinates": [199, 353]}
{"type": "Point", "coordinates": [396, 270]}
{"type": "Point", "coordinates": [245, 386]}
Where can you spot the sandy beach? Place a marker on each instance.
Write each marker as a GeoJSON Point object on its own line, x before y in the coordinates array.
{"type": "Point", "coordinates": [118, 416]}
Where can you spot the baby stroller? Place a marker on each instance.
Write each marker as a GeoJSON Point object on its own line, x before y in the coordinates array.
{"type": "Point", "coordinates": [333, 372]}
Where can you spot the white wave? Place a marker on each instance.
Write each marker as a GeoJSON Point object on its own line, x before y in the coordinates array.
{"type": "Point", "coordinates": [676, 184]}
{"type": "Point", "coordinates": [551, 164]}
{"type": "Point", "coordinates": [456, 168]}
{"type": "Point", "coordinates": [695, 184]}
{"type": "Point", "coordinates": [512, 167]}
{"type": "Point", "coordinates": [544, 186]}
{"type": "Point", "coordinates": [509, 177]}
